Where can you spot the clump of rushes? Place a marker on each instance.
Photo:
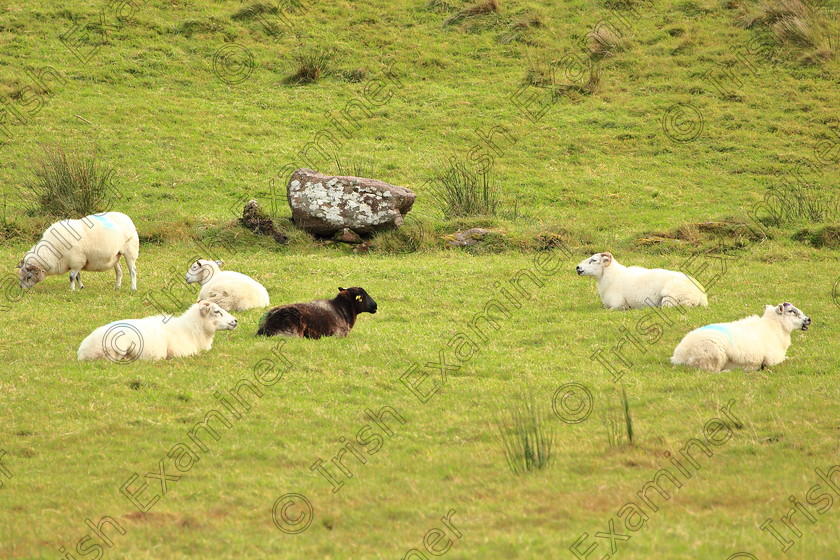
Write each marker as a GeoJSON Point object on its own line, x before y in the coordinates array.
{"type": "Point", "coordinates": [526, 436]}
{"type": "Point", "coordinates": [69, 185]}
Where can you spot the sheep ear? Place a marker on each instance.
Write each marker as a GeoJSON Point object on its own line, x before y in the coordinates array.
{"type": "Point", "coordinates": [780, 309]}
{"type": "Point", "coordinates": [204, 307]}
{"type": "Point", "coordinates": [606, 258]}
{"type": "Point", "coordinates": [340, 289]}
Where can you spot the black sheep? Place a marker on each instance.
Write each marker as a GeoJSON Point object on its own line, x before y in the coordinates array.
{"type": "Point", "coordinates": [323, 317]}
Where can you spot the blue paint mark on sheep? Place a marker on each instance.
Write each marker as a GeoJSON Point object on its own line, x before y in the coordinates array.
{"type": "Point", "coordinates": [722, 329]}
{"type": "Point", "coordinates": [104, 221]}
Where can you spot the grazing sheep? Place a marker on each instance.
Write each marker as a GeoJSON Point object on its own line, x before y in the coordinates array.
{"type": "Point", "coordinates": [93, 243]}
{"type": "Point", "coordinates": [323, 317]}
{"type": "Point", "coordinates": [633, 287]}
{"type": "Point", "coordinates": [751, 343]}
{"type": "Point", "coordinates": [232, 291]}
{"type": "Point", "coordinates": [158, 337]}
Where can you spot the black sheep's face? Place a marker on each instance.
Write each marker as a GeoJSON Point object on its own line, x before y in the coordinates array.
{"type": "Point", "coordinates": [359, 298]}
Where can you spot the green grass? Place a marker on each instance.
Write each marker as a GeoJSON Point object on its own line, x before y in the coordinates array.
{"type": "Point", "coordinates": [596, 172]}
{"type": "Point", "coordinates": [75, 432]}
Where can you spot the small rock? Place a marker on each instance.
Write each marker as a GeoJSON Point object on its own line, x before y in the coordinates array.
{"type": "Point", "coordinates": [469, 237]}
{"type": "Point", "coordinates": [260, 223]}
{"type": "Point", "coordinates": [347, 235]}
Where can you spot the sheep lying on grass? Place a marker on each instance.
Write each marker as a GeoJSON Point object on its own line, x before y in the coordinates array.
{"type": "Point", "coordinates": [232, 291]}
{"type": "Point", "coordinates": [323, 317]}
{"type": "Point", "coordinates": [633, 287]}
{"type": "Point", "coordinates": [750, 343]}
{"type": "Point", "coordinates": [93, 243]}
{"type": "Point", "coordinates": [158, 337]}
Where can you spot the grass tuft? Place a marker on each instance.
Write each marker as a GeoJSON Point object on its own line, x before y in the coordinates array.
{"type": "Point", "coordinates": [794, 23]}
{"type": "Point", "coordinates": [190, 27]}
{"type": "Point", "coordinates": [69, 185]}
{"type": "Point", "coordinates": [247, 13]}
{"type": "Point", "coordinates": [459, 193]}
{"type": "Point", "coordinates": [797, 31]}
{"type": "Point", "coordinates": [526, 436]}
{"type": "Point", "coordinates": [605, 41]}
{"type": "Point", "coordinates": [827, 236]}
{"type": "Point", "coordinates": [354, 76]}
{"type": "Point", "coordinates": [440, 6]}
{"type": "Point", "coordinates": [482, 7]}
{"type": "Point", "coordinates": [817, 56]}
{"type": "Point", "coordinates": [619, 423]}
{"type": "Point", "coordinates": [783, 9]}
{"type": "Point", "coordinates": [518, 30]}
{"type": "Point", "coordinates": [312, 65]}
{"type": "Point", "coordinates": [749, 18]}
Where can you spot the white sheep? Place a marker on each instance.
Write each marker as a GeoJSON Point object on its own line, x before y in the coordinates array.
{"type": "Point", "coordinates": [231, 290]}
{"type": "Point", "coordinates": [751, 343]}
{"type": "Point", "coordinates": [94, 243]}
{"type": "Point", "coordinates": [634, 287]}
{"type": "Point", "coordinates": [158, 337]}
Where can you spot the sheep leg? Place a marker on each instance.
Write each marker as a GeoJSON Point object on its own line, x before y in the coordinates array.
{"type": "Point", "coordinates": [118, 270]}
{"type": "Point", "coordinates": [76, 278]}
{"type": "Point", "coordinates": [131, 261]}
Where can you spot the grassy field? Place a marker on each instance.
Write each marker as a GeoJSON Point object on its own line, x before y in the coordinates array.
{"type": "Point", "coordinates": [653, 161]}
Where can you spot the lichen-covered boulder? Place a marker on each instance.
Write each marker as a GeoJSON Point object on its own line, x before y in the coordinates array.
{"type": "Point", "coordinates": [325, 204]}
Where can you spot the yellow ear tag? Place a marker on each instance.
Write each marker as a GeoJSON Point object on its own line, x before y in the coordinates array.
{"type": "Point", "coordinates": [358, 298]}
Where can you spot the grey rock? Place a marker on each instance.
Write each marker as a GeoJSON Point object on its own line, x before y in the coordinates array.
{"type": "Point", "coordinates": [326, 204]}
{"type": "Point", "coordinates": [469, 237]}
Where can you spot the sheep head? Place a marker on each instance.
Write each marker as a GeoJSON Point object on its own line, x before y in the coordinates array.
{"type": "Point", "coordinates": [791, 318]}
{"type": "Point", "coordinates": [202, 270]}
{"type": "Point", "coordinates": [359, 299]}
{"type": "Point", "coordinates": [218, 318]}
{"type": "Point", "coordinates": [30, 274]}
{"type": "Point", "coordinates": [594, 265]}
